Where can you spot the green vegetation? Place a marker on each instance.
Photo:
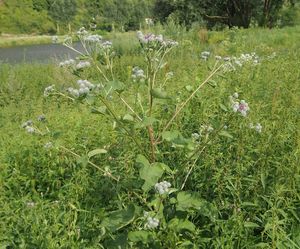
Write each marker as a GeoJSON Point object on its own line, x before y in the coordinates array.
{"type": "Point", "coordinates": [242, 191]}
{"type": "Point", "coordinates": [11, 40]}
{"type": "Point", "coordinates": [64, 16]}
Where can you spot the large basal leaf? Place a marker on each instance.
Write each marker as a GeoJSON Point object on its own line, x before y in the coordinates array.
{"type": "Point", "coordinates": [180, 225]}
{"type": "Point", "coordinates": [192, 201]}
{"type": "Point", "coordinates": [140, 236]}
{"type": "Point", "coordinates": [151, 175]}
{"type": "Point", "coordinates": [187, 200]}
{"type": "Point", "coordinates": [118, 219]}
{"type": "Point", "coordinates": [176, 138]}
{"type": "Point", "coordinates": [142, 161]}
{"type": "Point", "coordinates": [116, 85]}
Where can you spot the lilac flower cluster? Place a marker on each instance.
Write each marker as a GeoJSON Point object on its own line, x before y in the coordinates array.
{"type": "Point", "coordinates": [240, 106]}
{"type": "Point", "coordinates": [67, 63]}
{"type": "Point", "coordinates": [162, 187]}
{"type": "Point", "coordinates": [84, 88]}
{"type": "Point", "coordinates": [138, 74]}
{"type": "Point", "coordinates": [93, 38]}
{"type": "Point", "coordinates": [152, 39]}
{"type": "Point", "coordinates": [83, 64]}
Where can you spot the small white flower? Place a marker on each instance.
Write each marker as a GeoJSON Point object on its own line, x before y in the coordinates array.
{"type": "Point", "coordinates": [195, 136]}
{"type": "Point", "coordinates": [205, 53]}
{"type": "Point", "coordinates": [41, 118]}
{"type": "Point", "coordinates": [49, 90]}
{"type": "Point", "coordinates": [27, 123]}
{"type": "Point", "coordinates": [235, 95]}
{"type": "Point", "coordinates": [54, 39]}
{"type": "Point", "coordinates": [30, 204]}
{"type": "Point", "coordinates": [169, 75]}
{"type": "Point", "coordinates": [258, 127]}
{"type": "Point", "coordinates": [30, 129]}
{"type": "Point", "coordinates": [82, 31]}
{"type": "Point", "coordinates": [48, 145]}
{"type": "Point", "coordinates": [218, 57]}
{"type": "Point", "coordinates": [152, 223]}
{"type": "Point", "coordinates": [162, 187]}
{"type": "Point", "coordinates": [235, 106]}
{"type": "Point", "coordinates": [83, 64]}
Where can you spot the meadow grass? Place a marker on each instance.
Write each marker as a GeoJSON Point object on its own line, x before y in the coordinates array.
{"type": "Point", "coordinates": [51, 199]}
{"type": "Point", "coordinates": [20, 40]}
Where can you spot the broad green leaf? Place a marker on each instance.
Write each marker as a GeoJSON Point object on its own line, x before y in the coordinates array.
{"type": "Point", "coordinates": [187, 200]}
{"type": "Point", "coordinates": [176, 138]}
{"type": "Point", "coordinates": [170, 135]}
{"type": "Point", "coordinates": [96, 152]}
{"type": "Point", "coordinates": [151, 175]}
{"type": "Point", "coordinates": [116, 85]}
{"type": "Point", "coordinates": [159, 93]}
{"type": "Point", "coordinates": [140, 236]}
{"type": "Point", "coordinates": [118, 219]}
{"type": "Point", "coordinates": [84, 160]}
{"type": "Point", "coordinates": [142, 161]}
{"type": "Point", "coordinates": [117, 242]}
{"type": "Point", "coordinates": [180, 225]}
{"type": "Point", "coordinates": [192, 201]}
{"type": "Point", "coordinates": [164, 166]}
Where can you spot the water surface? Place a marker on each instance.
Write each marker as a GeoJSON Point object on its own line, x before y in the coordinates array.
{"type": "Point", "coordinates": [45, 53]}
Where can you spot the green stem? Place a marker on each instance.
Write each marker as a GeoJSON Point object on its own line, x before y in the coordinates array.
{"type": "Point", "coordinates": [200, 150]}
{"type": "Point", "coordinates": [109, 108]}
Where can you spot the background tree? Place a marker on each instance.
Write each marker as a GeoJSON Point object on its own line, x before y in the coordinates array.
{"type": "Point", "coordinates": [62, 11]}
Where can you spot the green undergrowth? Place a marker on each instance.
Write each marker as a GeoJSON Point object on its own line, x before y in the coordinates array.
{"type": "Point", "coordinates": [248, 181]}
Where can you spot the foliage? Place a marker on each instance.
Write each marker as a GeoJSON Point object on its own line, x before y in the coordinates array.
{"type": "Point", "coordinates": [240, 193]}
{"type": "Point", "coordinates": [238, 13]}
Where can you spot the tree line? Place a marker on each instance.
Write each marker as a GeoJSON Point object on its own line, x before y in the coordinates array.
{"type": "Point", "coordinates": [62, 16]}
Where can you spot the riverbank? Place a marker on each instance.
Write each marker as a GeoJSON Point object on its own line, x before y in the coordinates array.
{"type": "Point", "coordinates": [7, 41]}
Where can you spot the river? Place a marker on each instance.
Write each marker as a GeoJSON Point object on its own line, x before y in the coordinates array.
{"type": "Point", "coordinates": [46, 53]}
